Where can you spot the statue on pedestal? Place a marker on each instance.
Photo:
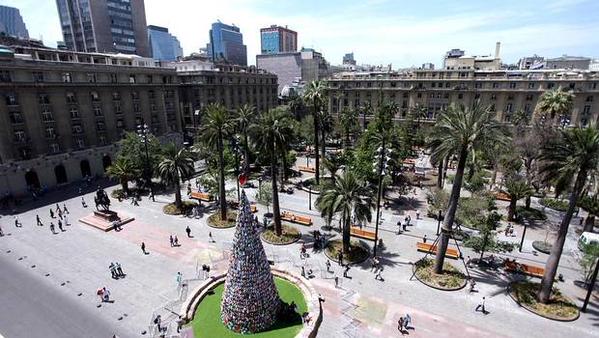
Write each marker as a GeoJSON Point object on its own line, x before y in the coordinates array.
{"type": "Point", "coordinates": [101, 199]}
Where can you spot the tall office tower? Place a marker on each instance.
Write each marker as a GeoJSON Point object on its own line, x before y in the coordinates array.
{"type": "Point", "coordinates": [104, 26]}
{"type": "Point", "coordinates": [164, 46]}
{"type": "Point", "coordinates": [226, 44]}
{"type": "Point", "coordinates": [277, 39]}
{"type": "Point", "coordinates": [11, 22]}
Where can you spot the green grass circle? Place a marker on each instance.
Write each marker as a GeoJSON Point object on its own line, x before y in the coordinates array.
{"type": "Point", "coordinates": [207, 323]}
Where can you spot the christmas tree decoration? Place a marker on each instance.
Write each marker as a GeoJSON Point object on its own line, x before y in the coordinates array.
{"type": "Point", "coordinates": [250, 301]}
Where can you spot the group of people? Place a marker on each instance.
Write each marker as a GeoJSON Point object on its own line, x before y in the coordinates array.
{"type": "Point", "coordinates": [174, 240]}
{"type": "Point", "coordinates": [404, 323]}
{"type": "Point", "coordinates": [509, 230]}
{"type": "Point", "coordinates": [115, 270]}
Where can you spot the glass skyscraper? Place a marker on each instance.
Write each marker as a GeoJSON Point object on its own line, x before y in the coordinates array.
{"type": "Point", "coordinates": [277, 39]}
{"type": "Point", "coordinates": [164, 46]}
{"type": "Point", "coordinates": [12, 23]}
{"type": "Point", "coordinates": [226, 44]}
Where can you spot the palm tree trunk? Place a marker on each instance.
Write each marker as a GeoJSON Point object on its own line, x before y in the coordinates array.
{"type": "Point", "coordinates": [177, 192]}
{"type": "Point", "coordinates": [125, 186]}
{"type": "Point", "coordinates": [511, 209]}
{"type": "Point", "coordinates": [556, 251]}
{"type": "Point", "coordinates": [275, 193]}
{"type": "Point", "coordinates": [221, 181]}
{"type": "Point", "coordinates": [484, 247]}
{"type": "Point", "coordinates": [323, 146]}
{"type": "Point", "coordinates": [440, 175]}
{"type": "Point", "coordinates": [284, 171]}
{"type": "Point", "coordinates": [589, 223]}
{"type": "Point", "coordinates": [346, 235]}
{"type": "Point", "coordinates": [451, 211]}
{"type": "Point", "coordinates": [316, 136]}
{"type": "Point", "coordinates": [527, 202]}
{"type": "Point", "coordinates": [494, 176]}
{"type": "Point", "coordinates": [246, 155]}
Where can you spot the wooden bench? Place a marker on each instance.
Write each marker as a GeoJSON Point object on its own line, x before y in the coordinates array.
{"type": "Point", "coordinates": [235, 205]}
{"type": "Point", "coordinates": [291, 217]}
{"type": "Point", "coordinates": [202, 196]}
{"type": "Point", "coordinates": [502, 196]}
{"type": "Point", "coordinates": [425, 247]}
{"type": "Point", "coordinates": [306, 169]}
{"type": "Point", "coordinates": [526, 269]}
{"type": "Point", "coordinates": [365, 234]}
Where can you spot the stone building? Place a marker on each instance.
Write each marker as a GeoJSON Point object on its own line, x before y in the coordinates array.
{"type": "Point", "coordinates": [61, 112]}
{"type": "Point", "coordinates": [505, 91]}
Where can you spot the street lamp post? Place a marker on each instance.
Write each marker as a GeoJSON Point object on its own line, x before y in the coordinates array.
{"type": "Point", "coordinates": [382, 164]}
{"type": "Point", "coordinates": [522, 240]}
{"type": "Point", "coordinates": [143, 131]}
{"type": "Point", "coordinates": [439, 222]}
{"type": "Point", "coordinates": [310, 198]}
{"type": "Point", "coordinates": [236, 150]}
{"type": "Point", "coordinates": [591, 286]}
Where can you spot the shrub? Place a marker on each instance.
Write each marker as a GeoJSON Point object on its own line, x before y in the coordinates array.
{"type": "Point", "coordinates": [555, 204]}
{"type": "Point", "coordinates": [451, 278]}
{"type": "Point", "coordinates": [186, 206]}
{"type": "Point", "coordinates": [289, 235]}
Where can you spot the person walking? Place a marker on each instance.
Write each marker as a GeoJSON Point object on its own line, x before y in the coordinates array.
{"type": "Point", "coordinates": [336, 282]}
{"type": "Point", "coordinates": [60, 225]}
{"type": "Point", "coordinates": [58, 208]}
{"type": "Point", "coordinates": [59, 213]}
{"type": "Point", "coordinates": [405, 225]}
{"type": "Point", "coordinates": [119, 270]}
{"type": "Point", "coordinates": [1, 232]}
{"type": "Point", "coordinates": [328, 264]}
{"type": "Point", "coordinates": [175, 240]}
{"type": "Point", "coordinates": [340, 258]}
{"type": "Point", "coordinates": [143, 248]}
{"type": "Point", "coordinates": [83, 204]}
{"type": "Point", "coordinates": [400, 325]}
{"type": "Point", "coordinates": [171, 240]}
{"type": "Point", "coordinates": [64, 208]}
{"type": "Point", "coordinates": [51, 213]}
{"type": "Point", "coordinates": [113, 271]}
{"type": "Point", "coordinates": [378, 275]}
{"type": "Point", "coordinates": [481, 306]}
{"type": "Point", "coordinates": [417, 214]}
{"type": "Point", "coordinates": [188, 231]}
{"type": "Point", "coordinates": [210, 237]}
{"type": "Point", "coordinates": [179, 279]}
{"type": "Point", "coordinates": [399, 227]}
{"type": "Point", "coordinates": [17, 223]}
{"type": "Point", "coordinates": [409, 219]}
{"type": "Point", "coordinates": [347, 267]}
{"type": "Point", "coordinates": [424, 239]}
{"type": "Point", "coordinates": [66, 221]}
{"type": "Point", "coordinates": [52, 227]}
{"type": "Point", "coordinates": [408, 322]}
{"type": "Point", "coordinates": [39, 221]}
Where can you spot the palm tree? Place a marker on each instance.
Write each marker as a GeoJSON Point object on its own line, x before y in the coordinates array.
{"type": "Point", "coordinates": [216, 127]}
{"type": "Point", "coordinates": [349, 123]}
{"type": "Point", "coordinates": [176, 165]}
{"type": "Point", "coordinates": [518, 189]}
{"type": "Point", "coordinates": [246, 115]}
{"type": "Point", "coordinates": [459, 131]}
{"type": "Point", "coordinates": [555, 103]}
{"type": "Point", "coordinates": [124, 170]}
{"type": "Point", "coordinates": [571, 157]}
{"type": "Point", "coordinates": [418, 112]}
{"type": "Point", "coordinates": [315, 95]}
{"type": "Point", "coordinates": [271, 134]}
{"type": "Point", "coordinates": [349, 198]}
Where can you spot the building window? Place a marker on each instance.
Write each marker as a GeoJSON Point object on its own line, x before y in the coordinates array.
{"type": "Point", "coordinates": [135, 95]}
{"type": "Point", "coordinates": [152, 95]}
{"type": "Point", "coordinates": [527, 108]}
{"type": "Point", "coordinates": [550, 85]}
{"type": "Point", "coordinates": [477, 96]}
{"type": "Point", "coordinates": [419, 95]}
{"type": "Point", "coordinates": [114, 78]}
{"type": "Point", "coordinates": [12, 99]}
{"type": "Point", "coordinates": [116, 96]}
{"type": "Point", "coordinates": [19, 136]}
{"type": "Point", "coordinates": [5, 76]}
{"type": "Point", "coordinates": [590, 98]}
{"type": "Point", "coordinates": [50, 133]}
{"type": "Point", "coordinates": [47, 115]}
{"type": "Point", "coordinates": [478, 85]}
{"type": "Point", "coordinates": [117, 107]}
{"type": "Point", "coordinates": [493, 97]}
{"type": "Point", "coordinates": [513, 85]}
{"type": "Point", "coordinates": [102, 139]}
{"type": "Point", "coordinates": [97, 110]}
{"type": "Point", "coordinates": [43, 99]}
{"type": "Point", "coordinates": [586, 110]}
{"type": "Point", "coordinates": [136, 107]}
{"type": "Point", "coordinates": [15, 117]}
{"type": "Point", "coordinates": [54, 148]}
{"type": "Point", "coordinates": [150, 79]}
{"type": "Point", "coordinates": [71, 98]}
{"type": "Point", "coordinates": [100, 126]}
{"type": "Point", "coordinates": [77, 129]}
{"type": "Point", "coordinates": [532, 85]}
{"type": "Point", "coordinates": [495, 85]}
{"type": "Point", "coordinates": [74, 113]}
{"type": "Point", "coordinates": [492, 107]}
{"type": "Point", "coordinates": [80, 143]}
{"type": "Point", "coordinates": [460, 96]}
{"type": "Point", "coordinates": [38, 77]}
{"type": "Point", "coordinates": [529, 97]}
{"type": "Point", "coordinates": [120, 124]}
{"type": "Point", "coordinates": [131, 78]}
{"type": "Point", "coordinates": [572, 85]}
{"type": "Point", "coordinates": [66, 78]}
{"type": "Point", "coordinates": [509, 108]}
{"type": "Point", "coordinates": [510, 97]}
{"type": "Point", "coordinates": [91, 78]}
{"type": "Point", "coordinates": [94, 96]}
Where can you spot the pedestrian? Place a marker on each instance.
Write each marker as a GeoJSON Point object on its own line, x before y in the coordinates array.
{"type": "Point", "coordinates": [52, 227]}
{"type": "Point", "coordinates": [175, 241]}
{"type": "Point", "coordinates": [405, 225]}
{"type": "Point", "coordinates": [481, 306]}
{"type": "Point", "coordinates": [143, 247]}
{"type": "Point", "coordinates": [39, 221]}
{"type": "Point", "coordinates": [409, 219]}
{"type": "Point", "coordinates": [113, 271]}
{"type": "Point", "coordinates": [66, 221]}
{"type": "Point", "coordinates": [340, 258]}
{"type": "Point", "coordinates": [171, 240]}
{"type": "Point", "coordinates": [83, 204]}
{"type": "Point", "coordinates": [157, 323]}
{"type": "Point", "coordinates": [64, 208]}
{"type": "Point", "coordinates": [188, 231]}
{"type": "Point", "coordinates": [210, 236]}
{"type": "Point", "coordinates": [60, 225]}
{"type": "Point", "coordinates": [468, 261]}
{"type": "Point", "coordinates": [118, 269]}
{"type": "Point", "coordinates": [375, 263]}
{"type": "Point", "coordinates": [346, 271]}
{"type": "Point", "coordinates": [17, 223]}
{"type": "Point", "coordinates": [472, 284]}
{"type": "Point", "coordinates": [303, 271]}
{"type": "Point", "coordinates": [378, 275]}
{"type": "Point", "coordinates": [417, 214]}
{"type": "Point", "coordinates": [400, 325]}
{"type": "Point", "coordinates": [105, 294]}
{"type": "Point", "coordinates": [100, 293]}
{"type": "Point", "coordinates": [328, 264]}
{"type": "Point", "coordinates": [303, 251]}
{"type": "Point", "coordinates": [179, 279]}
{"type": "Point", "coordinates": [408, 322]}
{"type": "Point", "coordinates": [336, 282]}
{"type": "Point", "coordinates": [1, 232]}
{"type": "Point", "coordinates": [424, 239]}
{"type": "Point", "coordinates": [58, 208]}
{"type": "Point", "coordinates": [399, 227]}
{"type": "Point", "coordinates": [51, 213]}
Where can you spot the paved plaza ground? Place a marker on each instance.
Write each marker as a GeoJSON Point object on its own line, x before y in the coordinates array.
{"type": "Point", "coordinates": [48, 282]}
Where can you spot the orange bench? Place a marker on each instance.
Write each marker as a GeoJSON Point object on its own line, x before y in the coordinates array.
{"type": "Point", "coordinates": [235, 205]}
{"type": "Point", "coordinates": [502, 196]}
{"type": "Point", "coordinates": [290, 217]}
{"type": "Point", "coordinates": [425, 247]}
{"type": "Point", "coordinates": [526, 269]}
{"type": "Point", "coordinates": [306, 169]}
{"type": "Point", "coordinates": [202, 196]}
{"type": "Point", "coordinates": [365, 234]}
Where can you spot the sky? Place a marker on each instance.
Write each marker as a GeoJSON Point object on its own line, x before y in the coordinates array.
{"type": "Point", "coordinates": [397, 32]}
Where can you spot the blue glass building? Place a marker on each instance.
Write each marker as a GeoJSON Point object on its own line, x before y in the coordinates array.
{"type": "Point", "coordinates": [226, 44]}
{"type": "Point", "coordinates": [164, 46]}
{"type": "Point", "coordinates": [11, 22]}
{"type": "Point", "coordinates": [276, 39]}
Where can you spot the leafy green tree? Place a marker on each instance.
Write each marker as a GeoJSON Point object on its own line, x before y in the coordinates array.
{"type": "Point", "coordinates": [265, 194]}
{"type": "Point", "coordinates": [246, 115]}
{"type": "Point", "coordinates": [176, 165]}
{"type": "Point", "coordinates": [571, 157]}
{"type": "Point", "coordinates": [555, 104]}
{"type": "Point", "coordinates": [124, 170]}
{"type": "Point", "coordinates": [315, 95]}
{"type": "Point", "coordinates": [271, 134]}
{"type": "Point", "coordinates": [518, 189]}
{"type": "Point", "coordinates": [591, 205]}
{"type": "Point", "coordinates": [133, 149]}
{"type": "Point", "coordinates": [348, 122]}
{"type": "Point", "coordinates": [587, 262]}
{"type": "Point", "coordinates": [348, 198]}
{"type": "Point", "coordinates": [486, 239]}
{"type": "Point", "coordinates": [459, 131]}
{"type": "Point", "coordinates": [217, 125]}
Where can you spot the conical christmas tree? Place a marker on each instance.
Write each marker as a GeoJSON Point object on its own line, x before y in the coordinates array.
{"type": "Point", "coordinates": [250, 300]}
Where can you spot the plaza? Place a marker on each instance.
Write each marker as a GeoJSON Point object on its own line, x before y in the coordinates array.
{"type": "Point", "coordinates": [50, 281]}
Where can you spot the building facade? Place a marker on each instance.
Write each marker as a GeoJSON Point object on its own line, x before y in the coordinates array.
{"type": "Point", "coordinates": [11, 22]}
{"type": "Point", "coordinates": [456, 59]}
{"type": "Point", "coordinates": [226, 44]}
{"type": "Point", "coordinates": [62, 112]}
{"type": "Point", "coordinates": [117, 26]}
{"type": "Point", "coordinates": [164, 46]}
{"type": "Point", "coordinates": [276, 39]}
{"type": "Point", "coordinates": [568, 62]}
{"type": "Point", "coordinates": [203, 82]}
{"type": "Point", "coordinates": [504, 91]}
{"type": "Point", "coordinates": [305, 66]}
